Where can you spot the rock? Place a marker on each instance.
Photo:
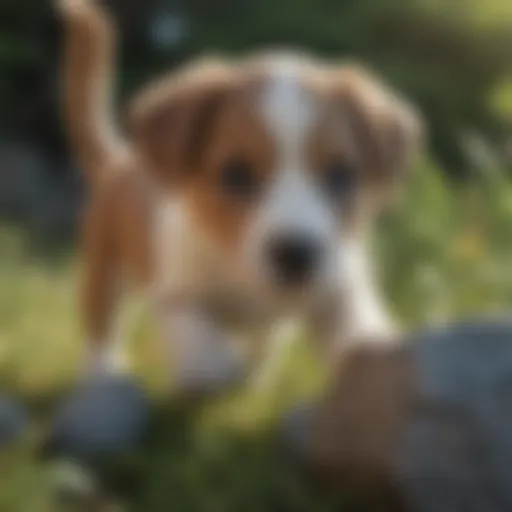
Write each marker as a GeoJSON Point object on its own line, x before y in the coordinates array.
{"type": "Point", "coordinates": [101, 418]}
{"type": "Point", "coordinates": [456, 449]}
{"type": "Point", "coordinates": [13, 421]}
{"type": "Point", "coordinates": [297, 431]}
{"type": "Point", "coordinates": [428, 420]}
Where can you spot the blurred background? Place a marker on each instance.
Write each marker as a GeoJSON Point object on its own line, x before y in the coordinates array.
{"type": "Point", "coordinates": [444, 252]}
{"type": "Point", "coordinates": [452, 57]}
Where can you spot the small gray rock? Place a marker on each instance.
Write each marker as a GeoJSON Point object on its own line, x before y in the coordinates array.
{"type": "Point", "coordinates": [101, 418]}
{"type": "Point", "coordinates": [297, 430]}
{"type": "Point", "coordinates": [13, 421]}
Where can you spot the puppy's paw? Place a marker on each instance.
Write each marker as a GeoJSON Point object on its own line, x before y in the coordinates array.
{"type": "Point", "coordinates": [202, 357]}
{"type": "Point", "coordinates": [87, 14]}
{"type": "Point", "coordinates": [104, 361]}
{"type": "Point", "coordinates": [212, 371]}
{"type": "Point", "coordinates": [73, 7]}
{"type": "Point", "coordinates": [13, 421]}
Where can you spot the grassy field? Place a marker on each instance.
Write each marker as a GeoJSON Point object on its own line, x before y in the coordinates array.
{"type": "Point", "coordinates": [444, 252]}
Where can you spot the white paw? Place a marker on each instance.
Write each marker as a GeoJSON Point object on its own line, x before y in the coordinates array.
{"type": "Point", "coordinates": [217, 368]}
{"type": "Point", "coordinates": [72, 7]}
{"type": "Point", "coordinates": [82, 11]}
{"type": "Point", "coordinates": [199, 352]}
{"type": "Point", "coordinates": [108, 360]}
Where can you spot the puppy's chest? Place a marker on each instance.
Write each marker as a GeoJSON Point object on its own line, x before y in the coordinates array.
{"type": "Point", "coordinates": [187, 268]}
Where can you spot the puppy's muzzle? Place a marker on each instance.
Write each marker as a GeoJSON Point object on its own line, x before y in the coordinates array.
{"type": "Point", "coordinates": [294, 259]}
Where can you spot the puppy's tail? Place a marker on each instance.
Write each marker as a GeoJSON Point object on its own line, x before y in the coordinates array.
{"type": "Point", "coordinates": [87, 76]}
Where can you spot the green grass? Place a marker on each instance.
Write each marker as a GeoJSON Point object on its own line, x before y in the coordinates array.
{"type": "Point", "coordinates": [444, 252]}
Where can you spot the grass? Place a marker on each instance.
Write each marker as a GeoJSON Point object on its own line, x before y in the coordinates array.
{"type": "Point", "coordinates": [445, 252]}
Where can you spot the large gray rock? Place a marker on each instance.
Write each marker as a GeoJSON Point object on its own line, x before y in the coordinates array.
{"type": "Point", "coordinates": [456, 451]}
{"type": "Point", "coordinates": [429, 419]}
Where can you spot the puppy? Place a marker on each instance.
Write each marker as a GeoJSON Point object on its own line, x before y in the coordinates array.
{"type": "Point", "coordinates": [240, 195]}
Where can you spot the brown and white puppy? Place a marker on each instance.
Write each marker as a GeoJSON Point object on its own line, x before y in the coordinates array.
{"type": "Point", "coordinates": [242, 189]}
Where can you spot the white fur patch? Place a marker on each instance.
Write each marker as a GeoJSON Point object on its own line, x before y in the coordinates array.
{"type": "Point", "coordinates": [295, 203]}
{"type": "Point", "coordinates": [289, 112]}
{"type": "Point", "coordinates": [366, 315]}
{"type": "Point", "coordinates": [200, 352]}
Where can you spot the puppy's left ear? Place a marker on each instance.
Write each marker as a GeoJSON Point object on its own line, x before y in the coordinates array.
{"type": "Point", "coordinates": [170, 121]}
{"type": "Point", "coordinates": [387, 130]}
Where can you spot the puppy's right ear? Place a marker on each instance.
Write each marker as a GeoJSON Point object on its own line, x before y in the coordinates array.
{"type": "Point", "coordinates": [171, 121]}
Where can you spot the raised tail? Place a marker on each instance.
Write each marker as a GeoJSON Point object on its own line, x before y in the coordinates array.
{"type": "Point", "coordinates": [87, 76]}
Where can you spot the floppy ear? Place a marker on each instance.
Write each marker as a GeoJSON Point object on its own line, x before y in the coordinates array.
{"type": "Point", "coordinates": [387, 130]}
{"type": "Point", "coordinates": [170, 122]}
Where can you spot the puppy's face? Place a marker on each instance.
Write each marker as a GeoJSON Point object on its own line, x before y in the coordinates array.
{"type": "Point", "coordinates": [279, 161]}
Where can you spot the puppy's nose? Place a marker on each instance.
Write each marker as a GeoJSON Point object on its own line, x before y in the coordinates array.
{"type": "Point", "coordinates": [294, 258]}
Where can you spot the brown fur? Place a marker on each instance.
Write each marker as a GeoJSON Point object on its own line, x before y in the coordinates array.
{"type": "Point", "coordinates": [238, 133]}
{"type": "Point", "coordinates": [170, 120]}
{"type": "Point", "coordinates": [116, 246]}
{"type": "Point", "coordinates": [387, 130]}
{"type": "Point", "coordinates": [86, 75]}
{"type": "Point", "coordinates": [117, 214]}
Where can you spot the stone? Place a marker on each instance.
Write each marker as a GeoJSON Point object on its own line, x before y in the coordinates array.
{"type": "Point", "coordinates": [429, 418]}
{"type": "Point", "coordinates": [13, 420]}
{"type": "Point", "coordinates": [456, 449]}
{"type": "Point", "coordinates": [297, 430]}
{"type": "Point", "coordinates": [101, 418]}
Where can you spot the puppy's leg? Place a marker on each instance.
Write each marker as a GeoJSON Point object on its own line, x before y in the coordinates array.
{"type": "Point", "coordinates": [356, 311]}
{"type": "Point", "coordinates": [350, 321]}
{"type": "Point", "coordinates": [351, 310]}
{"type": "Point", "coordinates": [101, 282]}
{"type": "Point", "coordinates": [204, 357]}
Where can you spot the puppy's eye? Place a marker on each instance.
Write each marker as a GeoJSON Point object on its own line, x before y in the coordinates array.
{"type": "Point", "coordinates": [340, 179]}
{"type": "Point", "coordinates": [237, 179]}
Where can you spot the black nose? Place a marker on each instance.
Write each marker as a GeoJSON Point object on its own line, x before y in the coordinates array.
{"type": "Point", "coordinates": [294, 258]}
